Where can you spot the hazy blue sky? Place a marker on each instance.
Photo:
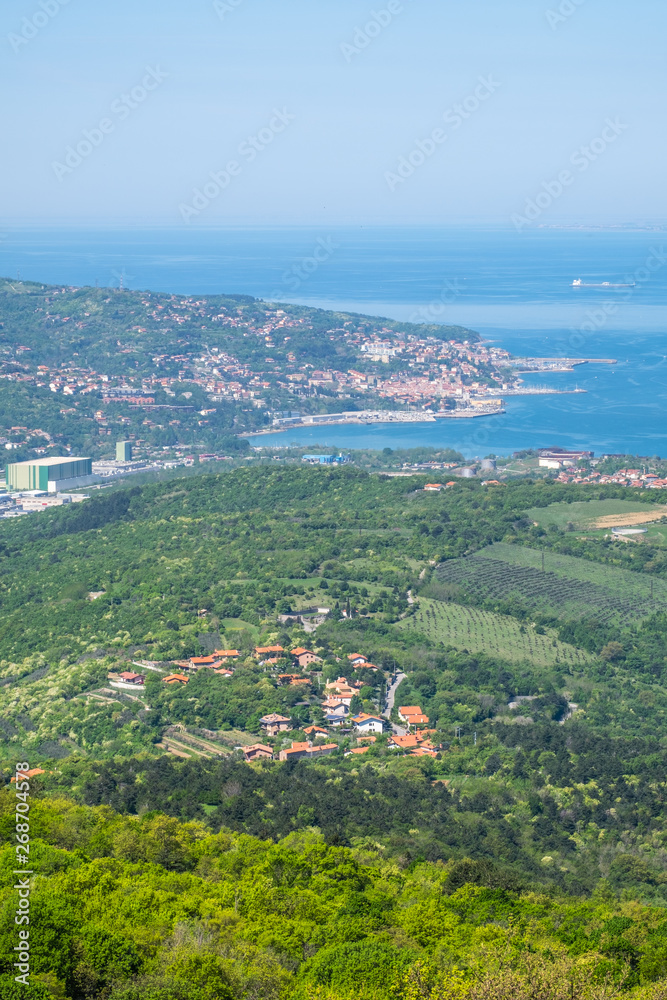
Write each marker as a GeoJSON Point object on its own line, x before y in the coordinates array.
{"type": "Point", "coordinates": [347, 114]}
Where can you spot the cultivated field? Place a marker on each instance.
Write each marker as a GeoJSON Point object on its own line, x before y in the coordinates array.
{"type": "Point", "coordinates": [485, 632]}
{"type": "Point", "coordinates": [567, 587]}
{"type": "Point", "coordinates": [597, 514]}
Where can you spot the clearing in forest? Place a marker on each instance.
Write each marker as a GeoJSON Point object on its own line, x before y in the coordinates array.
{"type": "Point", "coordinates": [496, 635]}
{"type": "Point", "coordinates": [589, 514]}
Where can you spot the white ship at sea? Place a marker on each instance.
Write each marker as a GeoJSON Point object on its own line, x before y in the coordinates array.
{"type": "Point", "coordinates": [578, 283]}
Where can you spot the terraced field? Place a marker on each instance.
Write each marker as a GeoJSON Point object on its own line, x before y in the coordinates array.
{"type": "Point", "coordinates": [567, 587]}
{"type": "Point", "coordinates": [485, 632]}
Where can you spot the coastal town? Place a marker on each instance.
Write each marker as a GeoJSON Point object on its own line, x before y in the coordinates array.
{"type": "Point", "coordinates": [172, 372]}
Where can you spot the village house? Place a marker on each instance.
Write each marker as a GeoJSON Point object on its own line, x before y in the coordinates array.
{"type": "Point", "coordinates": [273, 724]}
{"type": "Point", "coordinates": [404, 742]}
{"type": "Point", "coordinates": [415, 743]}
{"type": "Point", "coordinates": [299, 750]}
{"type": "Point", "coordinates": [258, 751]}
{"type": "Point", "coordinates": [315, 731]}
{"type": "Point", "coordinates": [357, 659]}
{"type": "Point", "coordinates": [129, 677]}
{"type": "Point", "coordinates": [264, 651]}
{"type": "Point", "coordinates": [336, 716]}
{"type": "Point", "coordinates": [227, 654]}
{"type": "Point", "coordinates": [295, 752]}
{"type": "Point", "coordinates": [304, 657]}
{"type": "Point", "coordinates": [224, 672]}
{"type": "Point", "coordinates": [199, 662]}
{"type": "Point", "coordinates": [364, 723]}
{"type": "Point", "coordinates": [292, 679]}
{"type": "Point", "coordinates": [406, 710]}
{"type": "Point", "coordinates": [417, 720]}
{"type": "Point", "coordinates": [175, 679]}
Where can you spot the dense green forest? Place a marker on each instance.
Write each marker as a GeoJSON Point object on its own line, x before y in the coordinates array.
{"type": "Point", "coordinates": [530, 840]}
{"type": "Point", "coordinates": [150, 908]}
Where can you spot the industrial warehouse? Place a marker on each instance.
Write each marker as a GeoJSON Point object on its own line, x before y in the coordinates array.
{"type": "Point", "coordinates": [50, 474]}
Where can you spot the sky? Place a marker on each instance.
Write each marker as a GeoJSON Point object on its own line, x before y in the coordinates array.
{"type": "Point", "coordinates": [256, 112]}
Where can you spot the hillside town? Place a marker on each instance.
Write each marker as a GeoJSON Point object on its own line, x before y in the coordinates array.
{"type": "Point", "coordinates": [349, 713]}
{"type": "Point", "coordinates": [177, 371]}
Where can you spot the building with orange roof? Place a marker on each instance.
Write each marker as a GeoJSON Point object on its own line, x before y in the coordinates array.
{"type": "Point", "coordinates": [129, 677]}
{"type": "Point", "coordinates": [406, 710]}
{"type": "Point", "coordinates": [198, 662]}
{"type": "Point", "coordinates": [368, 723]}
{"type": "Point", "coordinates": [258, 751]}
{"type": "Point", "coordinates": [356, 658]}
{"type": "Point", "coordinates": [417, 720]}
{"type": "Point", "coordinates": [294, 752]}
{"type": "Point", "coordinates": [305, 657]}
{"type": "Point", "coordinates": [273, 724]}
{"type": "Point", "coordinates": [292, 679]}
{"type": "Point", "coordinates": [299, 750]}
{"type": "Point", "coordinates": [265, 650]}
{"type": "Point", "coordinates": [358, 750]}
{"type": "Point", "coordinates": [175, 679]}
{"type": "Point", "coordinates": [315, 731]}
{"type": "Point", "coordinates": [227, 654]}
{"type": "Point", "coordinates": [32, 773]}
{"type": "Point", "coordinates": [404, 742]}
{"type": "Point", "coordinates": [434, 487]}
{"type": "Point", "coordinates": [322, 751]}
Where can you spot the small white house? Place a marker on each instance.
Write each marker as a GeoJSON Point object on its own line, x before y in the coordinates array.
{"type": "Point", "coordinates": [365, 724]}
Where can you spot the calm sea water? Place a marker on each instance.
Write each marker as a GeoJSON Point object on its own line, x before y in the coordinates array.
{"type": "Point", "coordinates": [515, 289]}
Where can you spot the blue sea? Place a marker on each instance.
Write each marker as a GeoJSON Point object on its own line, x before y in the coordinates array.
{"type": "Point", "coordinates": [513, 288]}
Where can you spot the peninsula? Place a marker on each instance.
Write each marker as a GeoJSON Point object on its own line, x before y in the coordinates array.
{"type": "Point", "coordinates": [83, 367]}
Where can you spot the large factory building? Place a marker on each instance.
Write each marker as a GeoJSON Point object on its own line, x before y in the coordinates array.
{"type": "Point", "coordinates": [50, 474]}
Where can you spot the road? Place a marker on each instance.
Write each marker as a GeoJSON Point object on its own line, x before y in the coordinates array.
{"type": "Point", "coordinates": [391, 695]}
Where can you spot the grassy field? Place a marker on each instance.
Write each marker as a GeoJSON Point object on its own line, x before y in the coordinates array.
{"type": "Point", "coordinates": [485, 632]}
{"type": "Point", "coordinates": [585, 514]}
{"type": "Point", "coordinates": [567, 587]}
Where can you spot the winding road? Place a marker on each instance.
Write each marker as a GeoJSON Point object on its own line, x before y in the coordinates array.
{"type": "Point", "coordinates": [391, 696]}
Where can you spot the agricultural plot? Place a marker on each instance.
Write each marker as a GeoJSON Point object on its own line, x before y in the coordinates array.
{"type": "Point", "coordinates": [591, 514]}
{"type": "Point", "coordinates": [567, 587]}
{"type": "Point", "coordinates": [485, 632]}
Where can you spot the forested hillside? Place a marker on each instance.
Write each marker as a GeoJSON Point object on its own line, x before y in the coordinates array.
{"type": "Point", "coordinates": [530, 824]}
{"type": "Point", "coordinates": [153, 909]}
